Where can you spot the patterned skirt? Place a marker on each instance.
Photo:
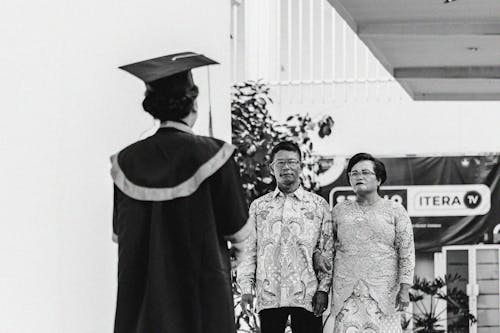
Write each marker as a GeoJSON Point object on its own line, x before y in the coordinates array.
{"type": "Point", "coordinates": [361, 314]}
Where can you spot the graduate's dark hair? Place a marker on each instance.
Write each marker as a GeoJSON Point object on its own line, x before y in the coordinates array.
{"type": "Point", "coordinates": [378, 166]}
{"type": "Point", "coordinates": [286, 145]}
{"type": "Point", "coordinates": [169, 103]}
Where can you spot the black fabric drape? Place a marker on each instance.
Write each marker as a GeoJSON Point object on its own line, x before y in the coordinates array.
{"type": "Point", "coordinates": [173, 263]}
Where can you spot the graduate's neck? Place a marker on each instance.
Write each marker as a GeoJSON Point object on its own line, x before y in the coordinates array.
{"type": "Point", "coordinates": [190, 119]}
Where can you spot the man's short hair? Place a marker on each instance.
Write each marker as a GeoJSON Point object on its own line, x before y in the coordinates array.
{"type": "Point", "coordinates": [288, 146]}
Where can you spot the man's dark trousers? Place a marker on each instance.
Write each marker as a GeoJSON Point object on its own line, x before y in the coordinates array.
{"type": "Point", "coordinates": [302, 321]}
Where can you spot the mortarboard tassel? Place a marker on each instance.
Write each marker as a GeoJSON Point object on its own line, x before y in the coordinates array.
{"type": "Point", "coordinates": [210, 125]}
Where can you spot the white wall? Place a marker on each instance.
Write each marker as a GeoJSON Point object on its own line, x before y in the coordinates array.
{"type": "Point", "coordinates": [65, 108]}
{"type": "Point", "coordinates": [398, 127]}
{"type": "Point", "coordinates": [377, 117]}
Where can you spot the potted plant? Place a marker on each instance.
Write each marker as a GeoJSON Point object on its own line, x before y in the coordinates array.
{"type": "Point", "coordinates": [425, 296]}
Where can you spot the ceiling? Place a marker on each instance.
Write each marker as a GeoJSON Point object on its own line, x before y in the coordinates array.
{"type": "Point", "coordinates": [435, 50]}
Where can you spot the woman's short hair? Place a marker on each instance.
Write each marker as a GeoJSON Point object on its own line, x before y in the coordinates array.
{"type": "Point", "coordinates": [288, 146]}
{"type": "Point", "coordinates": [378, 166]}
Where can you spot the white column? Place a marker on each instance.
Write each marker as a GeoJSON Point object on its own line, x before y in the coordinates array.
{"type": "Point", "coordinates": [440, 271]}
{"type": "Point", "coordinates": [258, 38]}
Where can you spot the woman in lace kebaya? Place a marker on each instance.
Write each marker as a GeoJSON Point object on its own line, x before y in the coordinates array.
{"type": "Point", "coordinates": [374, 254]}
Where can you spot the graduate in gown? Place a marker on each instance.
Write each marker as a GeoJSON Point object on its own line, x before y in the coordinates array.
{"type": "Point", "coordinates": [177, 201]}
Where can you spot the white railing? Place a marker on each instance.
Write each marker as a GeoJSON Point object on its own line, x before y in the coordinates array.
{"type": "Point", "coordinates": [306, 50]}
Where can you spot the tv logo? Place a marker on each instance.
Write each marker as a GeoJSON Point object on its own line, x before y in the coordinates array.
{"type": "Point", "coordinates": [472, 199]}
{"type": "Point", "coordinates": [449, 200]}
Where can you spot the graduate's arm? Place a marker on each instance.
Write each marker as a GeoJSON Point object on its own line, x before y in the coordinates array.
{"type": "Point", "coordinates": [230, 208]}
{"type": "Point", "coordinates": [246, 271]}
{"type": "Point", "coordinates": [229, 203]}
{"type": "Point", "coordinates": [116, 204]}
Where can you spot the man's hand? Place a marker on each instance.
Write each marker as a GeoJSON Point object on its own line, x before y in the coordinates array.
{"type": "Point", "coordinates": [246, 302]}
{"type": "Point", "coordinates": [319, 303]}
{"type": "Point", "coordinates": [321, 263]}
{"type": "Point", "coordinates": [403, 297]}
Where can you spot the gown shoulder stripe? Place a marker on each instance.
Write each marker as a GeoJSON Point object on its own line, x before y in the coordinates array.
{"type": "Point", "coordinates": [184, 189]}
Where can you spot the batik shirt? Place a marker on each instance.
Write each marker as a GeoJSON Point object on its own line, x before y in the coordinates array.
{"type": "Point", "coordinates": [278, 262]}
{"type": "Point", "coordinates": [374, 245]}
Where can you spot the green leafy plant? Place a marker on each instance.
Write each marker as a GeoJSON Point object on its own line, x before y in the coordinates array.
{"type": "Point", "coordinates": [426, 294]}
{"type": "Point", "coordinates": [255, 132]}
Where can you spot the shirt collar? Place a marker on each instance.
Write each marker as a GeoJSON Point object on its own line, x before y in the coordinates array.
{"type": "Point", "coordinates": [177, 125]}
{"type": "Point", "coordinates": [299, 193]}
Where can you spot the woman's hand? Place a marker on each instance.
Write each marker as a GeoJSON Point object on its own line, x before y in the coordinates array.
{"type": "Point", "coordinates": [403, 297]}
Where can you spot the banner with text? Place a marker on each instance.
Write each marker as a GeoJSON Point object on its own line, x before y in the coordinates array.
{"type": "Point", "coordinates": [451, 200]}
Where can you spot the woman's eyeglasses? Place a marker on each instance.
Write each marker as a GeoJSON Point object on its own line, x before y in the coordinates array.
{"type": "Point", "coordinates": [364, 173]}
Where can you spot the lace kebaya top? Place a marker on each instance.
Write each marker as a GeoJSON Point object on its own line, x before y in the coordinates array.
{"type": "Point", "coordinates": [374, 244]}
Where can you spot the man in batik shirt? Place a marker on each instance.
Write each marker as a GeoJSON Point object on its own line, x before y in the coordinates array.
{"type": "Point", "coordinates": [290, 225]}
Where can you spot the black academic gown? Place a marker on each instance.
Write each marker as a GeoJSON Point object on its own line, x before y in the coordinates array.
{"type": "Point", "coordinates": [177, 195]}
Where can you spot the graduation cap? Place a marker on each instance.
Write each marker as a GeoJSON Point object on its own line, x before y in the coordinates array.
{"type": "Point", "coordinates": [171, 74]}
{"type": "Point", "coordinates": [176, 66]}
